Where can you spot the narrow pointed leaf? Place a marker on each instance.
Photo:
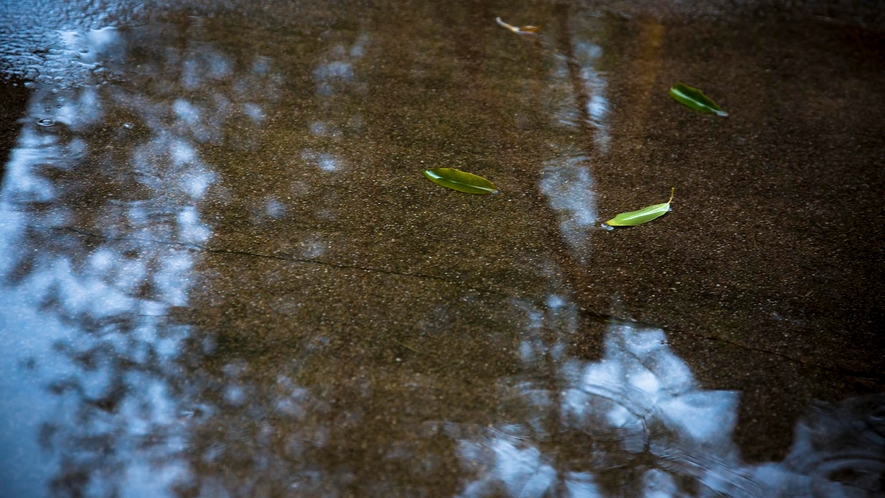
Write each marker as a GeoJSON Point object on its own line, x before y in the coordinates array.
{"type": "Point", "coordinates": [694, 98]}
{"type": "Point", "coordinates": [460, 180]}
{"type": "Point", "coordinates": [643, 215]}
{"type": "Point", "coordinates": [521, 30]}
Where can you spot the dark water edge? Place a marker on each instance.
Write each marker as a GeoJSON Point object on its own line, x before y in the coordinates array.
{"type": "Point", "coordinates": [223, 272]}
{"type": "Point", "coordinates": [15, 99]}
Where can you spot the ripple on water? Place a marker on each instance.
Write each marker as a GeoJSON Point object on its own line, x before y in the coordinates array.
{"type": "Point", "coordinates": [636, 412]}
{"type": "Point", "coordinates": [842, 444]}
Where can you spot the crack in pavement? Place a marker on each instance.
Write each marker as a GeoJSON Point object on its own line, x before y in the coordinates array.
{"type": "Point", "coordinates": [861, 374]}
{"type": "Point", "coordinates": [280, 257]}
{"type": "Point", "coordinates": [590, 314]}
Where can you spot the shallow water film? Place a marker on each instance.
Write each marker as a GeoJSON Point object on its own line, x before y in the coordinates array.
{"type": "Point", "coordinates": [223, 272]}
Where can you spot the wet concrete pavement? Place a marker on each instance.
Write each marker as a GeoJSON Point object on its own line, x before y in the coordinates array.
{"type": "Point", "coordinates": [224, 274]}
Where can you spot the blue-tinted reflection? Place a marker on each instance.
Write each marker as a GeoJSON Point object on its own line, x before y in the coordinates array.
{"type": "Point", "coordinates": [100, 204]}
{"type": "Point", "coordinates": [636, 423]}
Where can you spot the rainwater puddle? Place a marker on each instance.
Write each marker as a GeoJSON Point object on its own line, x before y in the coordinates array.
{"type": "Point", "coordinates": [222, 272]}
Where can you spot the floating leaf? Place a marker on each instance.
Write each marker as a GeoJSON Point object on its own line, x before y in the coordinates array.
{"type": "Point", "coordinates": [643, 215]}
{"type": "Point", "coordinates": [694, 98]}
{"type": "Point", "coordinates": [521, 30]}
{"type": "Point", "coordinates": [460, 180]}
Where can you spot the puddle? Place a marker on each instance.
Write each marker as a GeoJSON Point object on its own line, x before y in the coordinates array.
{"type": "Point", "coordinates": [223, 273]}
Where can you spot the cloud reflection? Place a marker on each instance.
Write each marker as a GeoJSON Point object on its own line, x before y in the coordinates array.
{"type": "Point", "coordinates": [583, 102]}
{"type": "Point", "coordinates": [639, 403]}
{"type": "Point", "coordinates": [132, 401]}
{"type": "Point", "coordinates": [637, 423]}
{"type": "Point", "coordinates": [571, 194]}
{"type": "Point", "coordinates": [102, 194]}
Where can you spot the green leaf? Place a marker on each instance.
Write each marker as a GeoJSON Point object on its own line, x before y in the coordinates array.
{"type": "Point", "coordinates": [460, 180]}
{"type": "Point", "coordinates": [694, 98]}
{"type": "Point", "coordinates": [643, 215]}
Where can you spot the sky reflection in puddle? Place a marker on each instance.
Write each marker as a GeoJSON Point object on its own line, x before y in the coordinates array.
{"type": "Point", "coordinates": [635, 424]}
{"type": "Point", "coordinates": [96, 283]}
{"type": "Point", "coordinates": [123, 371]}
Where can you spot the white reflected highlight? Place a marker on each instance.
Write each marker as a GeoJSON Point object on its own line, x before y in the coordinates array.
{"type": "Point", "coordinates": [93, 254]}
{"type": "Point", "coordinates": [638, 403]}
{"type": "Point", "coordinates": [334, 70]}
{"type": "Point", "coordinates": [254, 111]}
{"type": "Point", "coordinates": [522, 471]}
{"type": "Point", "coordinates": [569, 189]}
{"type": "Point", "coordinates": [593, 86]}
{"type": "Point", "coordinates": [638, 418]}
{"type": "Point", "coordinates": [21, 185]}
{"type": "Point", "coordinates": [186, 111]}
{"type": "Point", "coordinates": [82, 111]}
{"type": "Point", "coordinates": [329, 163]}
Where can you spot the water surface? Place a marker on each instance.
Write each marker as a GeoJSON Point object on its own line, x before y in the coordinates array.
{"type": "Point", "coordinates": [223, 273]}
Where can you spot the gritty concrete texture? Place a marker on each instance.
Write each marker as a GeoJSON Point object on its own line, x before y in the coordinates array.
{"type": "Point", "coordinates": [223, 273]}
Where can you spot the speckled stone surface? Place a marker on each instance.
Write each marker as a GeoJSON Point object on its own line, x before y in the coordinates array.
{"type": "Point", "coordinates": [223, 273]}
